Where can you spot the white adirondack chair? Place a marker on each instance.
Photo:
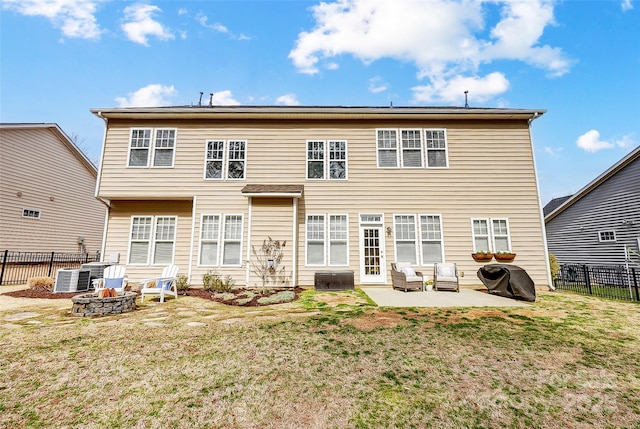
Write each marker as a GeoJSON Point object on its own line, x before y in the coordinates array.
{"type": "Point", "coordinates": [112, 277]}
{"type": "Point", "coordinates": [164, 285]}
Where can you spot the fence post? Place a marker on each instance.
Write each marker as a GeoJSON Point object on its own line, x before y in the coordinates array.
{"type": "Point", "coordinates": [635, 283]}
{"type": "Point", "coordinates": [587, 280]}
{"type": "Point", "coordinates": [51, 264]}
{"type": "Point", "coordinates": [4, 263]}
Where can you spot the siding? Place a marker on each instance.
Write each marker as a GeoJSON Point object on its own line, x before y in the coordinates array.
{"type": "Point", "coordinates": [572, 235]}
{"type": "Point", "coordinates": [38, 171]}
{"type": "Point", "coordinates": [491, 174]}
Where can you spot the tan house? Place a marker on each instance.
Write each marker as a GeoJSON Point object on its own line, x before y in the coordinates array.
{"type": "Point", "coordinates": [47, 186]}
{"type": "Point", "coordinates": [347, 188]}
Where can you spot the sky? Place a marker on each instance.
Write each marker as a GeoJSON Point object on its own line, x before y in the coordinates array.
{"type": "Point", "coordinates": [578, 59]}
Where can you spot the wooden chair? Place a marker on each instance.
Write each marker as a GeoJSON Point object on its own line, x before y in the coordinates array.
{"type": "Point", "coordinates": [445, 277]}
{"type": "Point", "coordinates": [403, 276]}
{"type": "Point", "coordinates": [163, 285]}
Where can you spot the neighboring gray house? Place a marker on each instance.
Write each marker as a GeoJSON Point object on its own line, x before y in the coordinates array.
{"type": "Point", "coordinates": [595, 224]}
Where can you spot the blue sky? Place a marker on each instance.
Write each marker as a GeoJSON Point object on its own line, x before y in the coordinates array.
{"type": "Point", "coordinates": [580, 60]}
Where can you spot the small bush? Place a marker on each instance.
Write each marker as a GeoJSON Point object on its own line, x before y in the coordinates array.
{"type": "Point", "coordinates": [283, 296]}
{"type": "Point", "coordinates": [211, 281]}
{"type": "Point", "coordinates": [554, 265]}
{"type": "Point", "coordinates": [182, 282]}
{"type": "Point", "coordinates": [41, 283]}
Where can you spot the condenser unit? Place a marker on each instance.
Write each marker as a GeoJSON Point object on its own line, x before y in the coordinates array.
{"type": "Point", "coordinates": [72, 280]}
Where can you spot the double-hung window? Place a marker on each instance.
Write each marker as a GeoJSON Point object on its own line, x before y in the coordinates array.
{"type": "Point", "coordinates": [152, 238]}
{"type": "Point", "coordinates": [411, 148]}
{"type": "Point", "coordinates": [327, 239]}
{"type": "Point", "coordinates": [405, 234]}
{"type": "Point", "coordinates": [225, 159]}
{"type": "Point", "coordinates": [436, 142]}
{"type": "Point", "coordinates": [147, 143]}
{"type": "Point", "coordinates": [319, 152]}
{"type": "Point", "coordinates": [431, 239]}
{"type": "Point", "coordinates": [209, 239]}
{"type": "Point", "coordinates": [387, 142]}
{"type": "Point", "coordinates": [491, 235]}
{"type": "Point", "coordinates": [232, 240]}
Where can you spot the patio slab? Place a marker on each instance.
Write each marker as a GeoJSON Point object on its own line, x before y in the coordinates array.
{"type": "Point", "coordinates": [388, 297]}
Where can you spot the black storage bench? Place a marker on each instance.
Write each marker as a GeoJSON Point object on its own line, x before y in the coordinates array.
{"type": "Point", "coordinates": [333, 280]}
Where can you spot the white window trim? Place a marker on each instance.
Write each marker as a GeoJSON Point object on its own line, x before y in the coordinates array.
{"type": "Point", "coordinates": [36, 212]}
{"type": "Point", "coordinates": [473, 234]}
{"type": "Point", "coordinates": [223, 240]}
{"type": "Point", "coordinates": [152, 148]}
{"type": "Point", "coordinates": [307, 160]}
{"type": "Point", "coordinates": [416, 240]}
{"type": "Point", "coordinates": [328, 240]}
{"type": "Point", "coordinates": [422, 148]}
{"type": "Point", "coordinates": [225, 160]}
{"type": "Point", "coordinates": [206, 159]}
{"type": "Point", "coordinates": [152, 240]}
{"type": "Point", "coordinates": [442, 252]}
{"type": "Point", "coordinates": [426, 150]}
{"type": "Point", "coordinates": [615, 238]}
{"type": "Point", "coordinates": [306, 240]}
{"type": "Point", "coordinates": [378, 148]}
{"type": "Point", "coordinates": [491, 232]}
{"type": "Point", "coordinates": [218, 240]}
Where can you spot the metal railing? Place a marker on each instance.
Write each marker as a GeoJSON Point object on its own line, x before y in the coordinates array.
{"type": "Point", "coordinates": [18, 267]}
{"type": "Point", "coordinates": [617, 282]}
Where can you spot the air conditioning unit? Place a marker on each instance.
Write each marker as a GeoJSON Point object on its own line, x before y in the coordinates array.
{"type": "Point", "coordinates": [72, 280]}
{"type": "Point", "coordinates": [96, 268]}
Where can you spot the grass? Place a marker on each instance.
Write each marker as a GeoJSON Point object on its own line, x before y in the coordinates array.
{"type": "Point", "coordinates": [329, 360]}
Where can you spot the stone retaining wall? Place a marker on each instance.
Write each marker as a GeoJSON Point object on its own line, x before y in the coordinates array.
{"type": "Point", "coordinates": [90, 305]}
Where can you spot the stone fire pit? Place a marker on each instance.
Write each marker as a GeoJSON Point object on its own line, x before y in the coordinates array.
{"type": "Point", "coordinates": [90, 305]}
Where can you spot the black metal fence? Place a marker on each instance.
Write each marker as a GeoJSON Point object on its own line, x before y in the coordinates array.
{"type": "Point", "coordinates": [18, 267]}
{"type": "Point", "coordinates": [615, 282]}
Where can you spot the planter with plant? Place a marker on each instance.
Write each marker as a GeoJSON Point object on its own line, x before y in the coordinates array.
{"type": "Point", "coordinates": [505, 256]}
{"type": "Point", "coordinates": [482, 256]}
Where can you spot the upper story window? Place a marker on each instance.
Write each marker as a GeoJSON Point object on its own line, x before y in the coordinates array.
{"type": "Point", "coordinates": [407, 148]}
{"type": "Point", "coordinates": [31, 213]}
{"type": "Point", "coordinates": [226, 159]}
{"type": "Point", "coordinates": [491, 235]}
{"type": "Point", "coordinates": [327, 159]}
{"type": "Point", "coordinates": [606, 236]}
{"type": "Point", "coordinates": [148, 146]}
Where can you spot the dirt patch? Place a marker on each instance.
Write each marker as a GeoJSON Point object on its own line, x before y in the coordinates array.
{"type": "Point", "coordinates": [41, 294]}
{"type": "Point", "coordinates": [335, 299]}
{"type": "Point", "coordinates": [378, 319]}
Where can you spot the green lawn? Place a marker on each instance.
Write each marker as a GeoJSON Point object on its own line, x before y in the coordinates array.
{"type": "Point", "coordinates": [328, 360]}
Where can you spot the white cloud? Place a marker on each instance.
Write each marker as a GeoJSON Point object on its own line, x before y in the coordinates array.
{"type": "Point", "coordinates": [220, 28]}
{"type": "Point", "coordinates": [590, 141]}
{"type": "Point", "coordinates": [224, 98]}
{"type": "Point", "coordinates": [626, 141]}
{"type": "Point", "coordinates": [627, 5]}
{"type": "Point", "coordinates": [139, 24]}
{"type": "Point", "coordinates": [288, 100]}
{"type": "Point", "coordinates": [444, 39]}
{"type": "Point", "coordinates": [377, 85]}
{"type": "Point", "coordinates": [76, 18]}
{"type": "Point", "coordinates": [480, 89]}
{"type": "Point", "coordinates": [153, 95]}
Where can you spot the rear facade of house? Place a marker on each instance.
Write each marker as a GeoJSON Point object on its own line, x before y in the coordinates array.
{"type": "Point", "coordinates": [341, 188]}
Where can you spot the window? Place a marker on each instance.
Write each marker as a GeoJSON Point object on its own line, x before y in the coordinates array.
{"type": "Point", "coordinates": [337, 160]}
{"type": "Point", "coordinates": [315, 160]}
{"type": "Point", "coordinates": [411, 148]}
{"type": "Point", "coordinates": [31, 213]}
{"type": "Point", "coordinates": [143, 236]}
{"type": "Point", "coordinates": [140, 147]}
{"type": "Point", "coordinates": [232, 240]}
{"type": "Point", "coordinates": [431, 239]}
{"type": "Point", "coordinates": [387, 142]}
{"type": "Point", "coordinates": [338, 246]}
{"type": "Point", "coordinates": [317, 156]}
{"type": "Point", "coordinates": [604, 236]}
{"type": "Point", "coordinates": [315, 240]}
{"type": "Point", "coordinates": [436, 141]}
{"type": "Point", "coordinates": [405, 235]}
{"type": "Point", "coordinates": [214, 160]}
{"type": "Point", "coordinates": [491, 235]}
{"type": "Point", "coordinates": [209, 237]}
{"type": "Point", "coordinates": [237, 159]}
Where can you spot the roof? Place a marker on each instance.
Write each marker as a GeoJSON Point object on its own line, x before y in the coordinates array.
{"type": "Point", "coordinates": [629, 158]}
{"type": "Point", "coordinates": [314, 112]}
{"type": "Point", "coordinates": [551, 205]}
{"type": "Point", "coordinates": [292, 191]}
{"type": "Point", "coordinates": [62, 136]}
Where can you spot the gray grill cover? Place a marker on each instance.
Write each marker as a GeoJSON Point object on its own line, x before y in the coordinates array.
{"type": "Point", "coordinates": [508, 280]}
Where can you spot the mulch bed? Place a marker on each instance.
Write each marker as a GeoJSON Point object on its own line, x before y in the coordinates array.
{"type": "Point", "coordinates": [195, 292]}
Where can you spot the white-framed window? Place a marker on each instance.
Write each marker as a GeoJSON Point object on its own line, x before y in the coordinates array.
{"type": "Point", "coordinates": [337, 159]}
{"type": "Point", "coordinates": [315, 159]}
{"type": "Point", "coordinates": [209, 239]}
{"type": "Point", "coordinates": [319, 151]}
{"type": "Point", "coordinates": [232, 240]}
{"type": "Point", "coordinates": [411, 148]}
{"type": "Point", "coordinates": [431, 238]}
{"type": "Point", "coordinates": [491, 235]}
{"type": "Point", "coordinates": [214, 161]}
{"type": "Point", "coordinates": [31, 213]}
{"type": "Point", "coordinates": [152, 238]}
{"type": "Point", "coordinates": [141, 150]}
{"type": "Point", "coordinates": [387, 144]}
{"type": "Point", "coordinates": [236, 159]}
{"type": "Point", "coordinates": [605, 236]}
{"type": "Point", "coordinates": [315, 240]}
{"type": "Point", "coordinates": [436, 143]}
{"type": "Point", "coordinates": [338, 240]}
{"type": "Point", "coordinates": [405, 238]}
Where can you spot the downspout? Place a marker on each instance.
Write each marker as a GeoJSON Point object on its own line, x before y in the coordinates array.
{"type": "Point", "coordinates": [248, 260]}
{"type": "Point", "coordinates": [104, 201]}
{"type": "Point", "coordinates": [294, 261]}
{"type": "Point", "coordinates": [193, 229]}
{"type": "Point", "coordinates": [540, 213]}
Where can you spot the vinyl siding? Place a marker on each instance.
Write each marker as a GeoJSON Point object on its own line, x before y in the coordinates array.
{"type": "Point", "coordinates": [572, 235]}
{"type": "Point", "coordinates": [491, 175]}
{"type": "Point", "coordinates": [49, 177]}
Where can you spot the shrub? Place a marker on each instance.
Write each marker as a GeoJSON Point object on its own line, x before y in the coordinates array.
{"type": "Point", "coordinates": [182, 282]}
{"type": "Point", "coordinates": [554, 265]}
{"type": "Point", "coordinates": [41, 283]}
{"type": "Point", "coordinates": [283, 296]}
{"type": "Point", "coordinates": [211, 281]}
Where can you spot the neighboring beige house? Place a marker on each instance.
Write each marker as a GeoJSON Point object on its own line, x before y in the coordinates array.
{"type": "Point", "coordinates": [47, 186]}
{"type": "Point", "coordinates": [347, 188]}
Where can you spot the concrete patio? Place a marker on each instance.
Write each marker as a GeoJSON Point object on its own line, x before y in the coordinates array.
{"type": "Point", "coordinates": [388, 297]}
